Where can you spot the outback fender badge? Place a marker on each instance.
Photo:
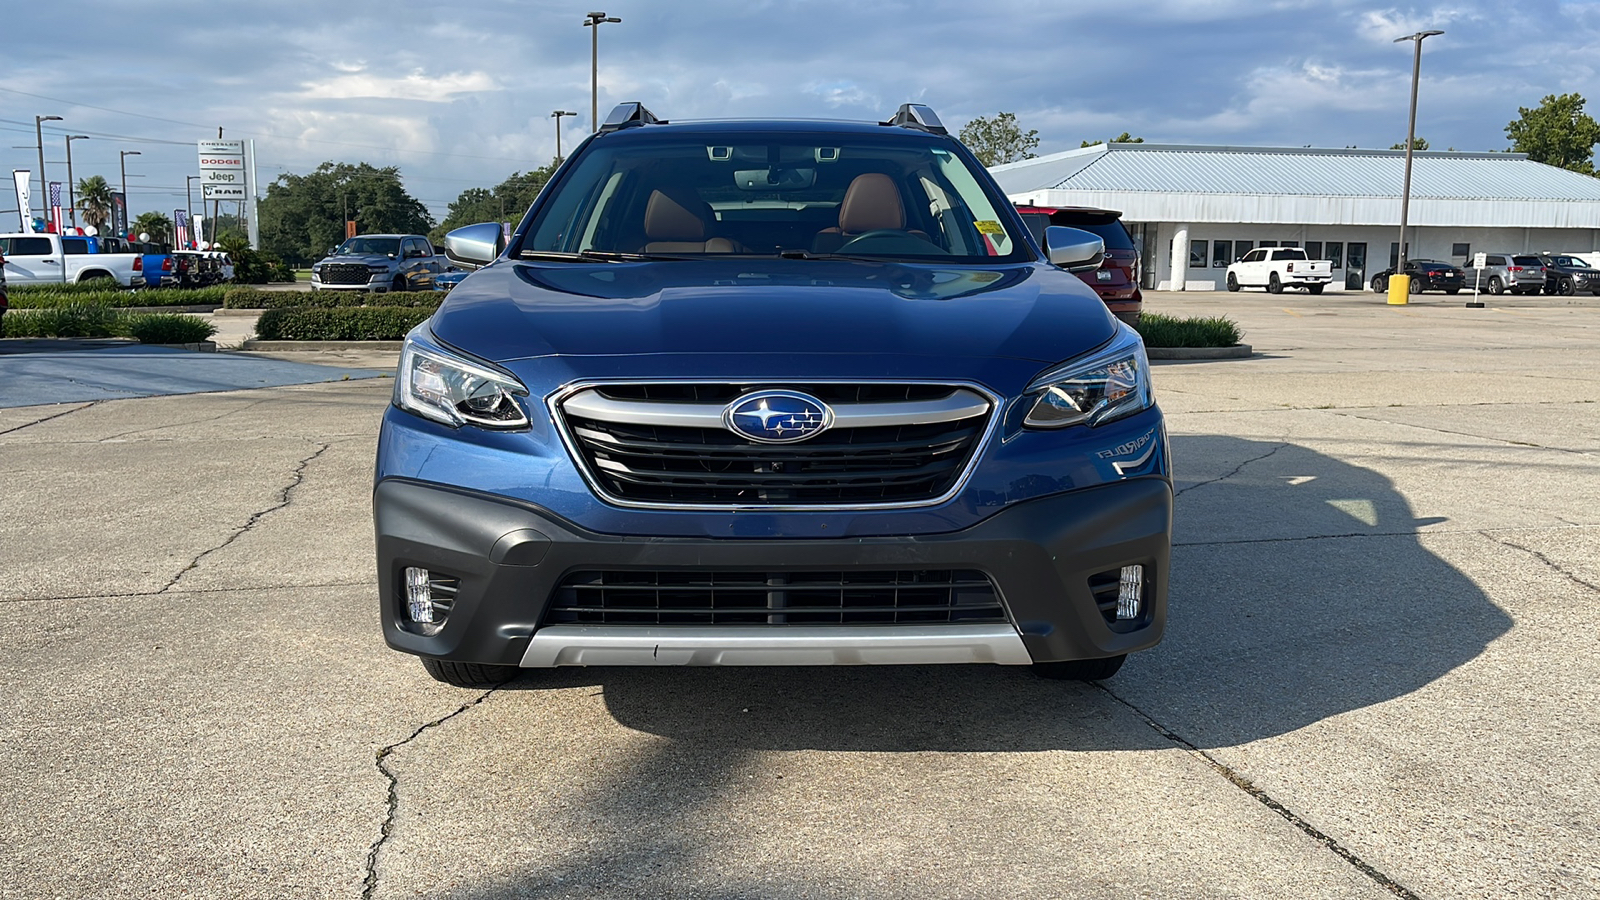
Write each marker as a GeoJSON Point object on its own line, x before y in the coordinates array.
{"type": "Point", "coordinates": [777, 417]}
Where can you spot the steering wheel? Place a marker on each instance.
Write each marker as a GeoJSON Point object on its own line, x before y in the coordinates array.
{"type": "Point", "coordinates": [891, 235]}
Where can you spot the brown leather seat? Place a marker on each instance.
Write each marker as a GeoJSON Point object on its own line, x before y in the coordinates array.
{"type": "Point", "coordinates": [680, 224]}
{"type": "Point", "coordinates": [872, 202]}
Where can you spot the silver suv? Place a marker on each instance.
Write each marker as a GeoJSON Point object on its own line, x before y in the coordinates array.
{"type": "Point", "coordinates": [1503, 272]}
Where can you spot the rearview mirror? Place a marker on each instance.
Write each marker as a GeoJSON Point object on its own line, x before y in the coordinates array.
{"type": "Point", "coordinates": [474, 246]}
{"type": "Point", "coordinates": [1073, 249]}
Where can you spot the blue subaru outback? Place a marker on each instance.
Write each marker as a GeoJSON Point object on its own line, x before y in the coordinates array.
{"type": "Point", "coordinates": [772, 393]}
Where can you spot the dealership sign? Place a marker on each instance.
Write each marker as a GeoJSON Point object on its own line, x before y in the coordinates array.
{"type": "Point", "coordinates": [222, 163]}
{"type": "Point", "coordinates": [225, 191]}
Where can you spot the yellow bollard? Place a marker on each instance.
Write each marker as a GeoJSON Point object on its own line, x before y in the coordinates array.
{"type": "Point", "coordinates": [1399, 289]}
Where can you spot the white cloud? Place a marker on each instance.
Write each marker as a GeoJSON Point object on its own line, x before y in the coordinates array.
{"type": "Point", "coordinates": [417, 85]}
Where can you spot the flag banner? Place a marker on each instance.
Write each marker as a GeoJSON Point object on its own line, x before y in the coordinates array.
{"type": "Point", "coordinates": [199, 231]}
{"type": "Point", "coordinates": [180, 228]}
{"type": "Point", "coordinates": [20, 177]}
{"type": "Point", "coordinates": [119, 214]}
{"type": "Point", "coordinates": [60, 225]}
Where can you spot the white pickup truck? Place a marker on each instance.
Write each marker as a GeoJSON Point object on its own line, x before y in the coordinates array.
{"type": "Point", "coordinates": [1276, 268]}
{"type": "Point", "coordinates": [41, 259]}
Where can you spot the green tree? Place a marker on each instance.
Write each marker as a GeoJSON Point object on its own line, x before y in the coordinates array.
{"type": "Point", "coordinates": [505, 202]}
{"type": "Point", "coordinates": [155, 224]}
{"type": "Point", "coordinates": [94, 201]}
{"type": "Point", "coordinates": [303, 215]}
{"type": "Point", "coordinates": [1417, 143]}
{"type": "Point", "coordinates": [1123, 138]}
{"type": "Point", "coordinates": [1558, 133]}
{"type": "Point", "coordinates": [999, 139]}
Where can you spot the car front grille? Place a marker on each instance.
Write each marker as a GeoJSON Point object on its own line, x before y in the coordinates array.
{"type": "Point", "coordinates": [635, 457]}
{"type": "Point", "coordinates": [345, 273]}
{"type": "Point", "coordinates": [701, 597]}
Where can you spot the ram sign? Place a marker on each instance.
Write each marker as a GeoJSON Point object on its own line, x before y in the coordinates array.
{"type": "Point", "coordinates": [222, 163]}
{"type": "Point", "coordinates": [225, 191]}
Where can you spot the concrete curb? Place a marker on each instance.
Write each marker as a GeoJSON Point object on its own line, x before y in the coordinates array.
{"type": "Point", "coordinates": [322, 345]}
{"type": "Point", "coordinates": [224, 311]}
{"type": "Point", "coordinates": [197, 346]}
{"type": "Point", "coordinates": [1237, 351]}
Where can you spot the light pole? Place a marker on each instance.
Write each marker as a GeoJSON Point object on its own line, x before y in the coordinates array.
{"type": "Point", "coordinates": [557, 116]}
{"type": "Point", "coordinates": [71, 203]}
{"type": "Point", "coordinates": [124, 161]}
{"type": "Point", "coordinates": [594, 21]}
{"type": "Point", "coordinates": [1411, 136]}
{"type": "Point", "coordinates": [38, 133]}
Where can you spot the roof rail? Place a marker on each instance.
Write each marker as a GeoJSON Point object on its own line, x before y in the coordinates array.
{"type": "Point", "coordinates": [627, 115]}
{"type": "Point", "coordinates": [919, 117]}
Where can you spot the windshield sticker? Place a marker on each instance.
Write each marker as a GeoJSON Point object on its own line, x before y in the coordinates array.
{"type": "Point", "coordinates": [989, 227]}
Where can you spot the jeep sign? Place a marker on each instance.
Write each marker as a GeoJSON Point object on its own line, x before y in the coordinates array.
{"type": "Point", "coordinates": [222, 162]}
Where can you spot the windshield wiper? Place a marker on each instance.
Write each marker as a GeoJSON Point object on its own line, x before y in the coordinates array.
{"type": "Point", "coordinates": [595, 255]}
{"type": "Point", "coordinates": [807, 254]}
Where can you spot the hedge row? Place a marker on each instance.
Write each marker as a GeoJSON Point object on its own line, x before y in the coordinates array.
{"type": "Point", "coordinates": [53, 296]}
{"type": "Point", "coordinates": [346, 323]}
{"type": "Point", "coordinates": [1166, 331]}
{"type": "Point", "coordinates": [98, 320]}
{"type": "Point", "coordinates": [255, 298]}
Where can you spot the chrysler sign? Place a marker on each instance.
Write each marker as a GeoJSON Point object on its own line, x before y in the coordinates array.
{"type": "Point", "coordinates": [222, 162]}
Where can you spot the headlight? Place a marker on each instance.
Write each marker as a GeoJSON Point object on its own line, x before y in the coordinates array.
{"type": "Point", "coordinates": [447, 388]}
{"type": "Point", "coordinates": [1106, 385]}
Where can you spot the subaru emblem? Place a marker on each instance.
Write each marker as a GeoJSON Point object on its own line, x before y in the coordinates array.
{"type": "Point", "coordinates": [777, 417]}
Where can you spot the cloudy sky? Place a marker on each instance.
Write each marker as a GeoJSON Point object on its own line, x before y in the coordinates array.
{"type": "Point", "coordinates": [460, 94]}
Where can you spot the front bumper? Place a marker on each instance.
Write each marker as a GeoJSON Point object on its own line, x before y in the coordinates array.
{"type": "Point", "coordinates": [510, 558]}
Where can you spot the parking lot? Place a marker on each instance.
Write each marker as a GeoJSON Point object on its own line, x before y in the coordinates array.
{"type": "Point", "coordinates": [1379, 678]}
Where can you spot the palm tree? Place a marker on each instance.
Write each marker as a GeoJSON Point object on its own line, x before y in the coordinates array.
{"type": "Point", "coordinates": [94, 201]}
{"type": "Point", "coordinates": [158, 226]}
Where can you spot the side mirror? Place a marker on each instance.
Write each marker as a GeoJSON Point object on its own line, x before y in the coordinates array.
{"type": "Point", "coordinates": [1073, 249]}
{"type": "Point", "coordinates": [474, 246]}
{"type": "Point", "coordinates": [332, 250]}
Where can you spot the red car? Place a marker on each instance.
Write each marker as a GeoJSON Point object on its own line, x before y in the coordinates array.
{"type": "Point", "coordinates": [1117, 279]}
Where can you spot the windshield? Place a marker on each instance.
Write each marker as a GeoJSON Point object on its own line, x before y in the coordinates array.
{"type": "Point", "coordinates": [366, 246]}
{"type": "Point", "coordinates": [768, 195]}
{"type": "Point", "coordinates": [1571, 262]}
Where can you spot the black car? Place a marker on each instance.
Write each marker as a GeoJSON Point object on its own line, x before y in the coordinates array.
{"type": "Point", "coordinates": [1426, 275]}
{"type": "Point", "coordinates": [1569, 275]}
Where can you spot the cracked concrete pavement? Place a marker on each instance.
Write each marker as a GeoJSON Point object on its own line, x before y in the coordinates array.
{"type": "Point", "coordinates": [1379, 677]}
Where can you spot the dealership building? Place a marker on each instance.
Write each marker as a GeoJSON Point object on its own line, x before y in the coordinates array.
{"type": "Point", "coordinates": [1194, 209]}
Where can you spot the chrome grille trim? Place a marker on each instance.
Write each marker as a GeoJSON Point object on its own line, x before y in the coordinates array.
{"type": "Point", "coordinates": [584, 645]}
{"type": "Point", "coordinates": [961, 404]}
{"type": "Point", "coordinates": [554, 404]}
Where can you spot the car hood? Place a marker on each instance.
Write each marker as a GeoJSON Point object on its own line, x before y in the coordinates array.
{"type": "Point", "coordinates": [375, 259]}
{"type": "Point", "coordinates": [517, 310]}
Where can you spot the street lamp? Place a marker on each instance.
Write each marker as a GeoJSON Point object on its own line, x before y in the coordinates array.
{"type": "Point", "coordinates": [1411, 138]}
{"type": "Point", "coordinates": [124, 161]}
{"type": "Point", "coordinates": [71, 203]}
{"type": "Point", "coordinates": [594, 21]}
{"type": "Point", "coordinates": [557, 116]}
{"type": "Point", "coordinates": [38, 133]}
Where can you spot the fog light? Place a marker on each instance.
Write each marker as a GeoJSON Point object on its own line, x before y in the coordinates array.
{"type": "Point", "coordinates": [419, 595]}
{"type": "Point", "coordinates": [1130, 592]}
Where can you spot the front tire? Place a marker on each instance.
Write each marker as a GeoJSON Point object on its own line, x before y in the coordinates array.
{"type": "Point", "coordinates": [398, 285]}
{"type": "Point", "coordinates": [1567, 288]}
{"type": "Point", "coordinates": [1380, 284]}
{"type": "Point", "coordinates": [1274, 286]}
{"type": "Point", "coordinates": [1233, 282]}
{"type": "Point", "coordinates": [1080, 669]}
{"type": "Point", "coordinates": [469, 675]}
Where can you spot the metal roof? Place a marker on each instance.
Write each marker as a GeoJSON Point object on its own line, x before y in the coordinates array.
{"type": "Point", "coordinates": [1172, 182]}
